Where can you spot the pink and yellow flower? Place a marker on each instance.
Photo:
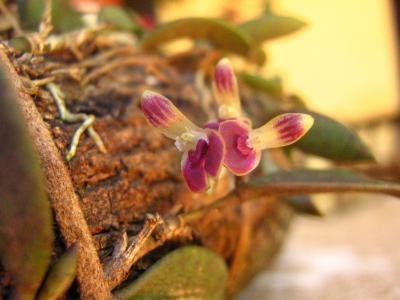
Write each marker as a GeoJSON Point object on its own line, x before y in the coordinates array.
{"type": "Point", "coordinates": [244, 144]}
{"type": "Point", "coordinates": [229, 141]}
{"type": "Point", "coordinates": [203, 149]}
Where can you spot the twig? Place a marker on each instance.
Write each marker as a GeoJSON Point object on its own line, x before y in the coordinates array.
{"type": "Point", "coordinates": [117, 64]}
{"type": "Point", "coordinates": [45, 26]}
{"type": "Point", "coordinates": [155, 233]}
{"type": "Point", "coordinates": [67, 116]}
{"type": "Point", "coordinates": [117, 269]}
{"type": "Point", "coordinates": [77, 136]}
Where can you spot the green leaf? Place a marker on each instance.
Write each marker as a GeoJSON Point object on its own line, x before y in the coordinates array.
{"type": "Point", "coordinates": [303, 204]}
{"type": "Point", "coordinates": [330, 139]}
{"type": "Point", "coordinates": [64, 18]}
{"type": "Point", "coordinates": [25, 217]}
{"type": "Point", "coordinates": [118, 17]}
{"type": "Point", "coordinates": [272, 86]}
{"type": "Point", "coordinates": [302, 182]}
{"type": "Point", "coordinates": [61, 276]}
{"type": "Point", "coordinates": [191, 272]}
{"type": "Point", "coordinates": [269, 26]}
{"type": "Point", "coordinates": [221, 34]}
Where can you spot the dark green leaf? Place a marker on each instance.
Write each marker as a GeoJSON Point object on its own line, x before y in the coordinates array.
{"type": "Point", "coordinates": [303, 204]}
{"type": "Point", "coordinates": [64, 18]}
{"type": "Point", "coordinates": [190, 272]}
{"type": "Point", "coordinates": [270, 26]}
{"type": "Point", "coordinates": [302, 182]}
{"type": "Point", "coordinates": [61, 276]}
{"type": "Point", "coordinates": [25, 217]}
{"type": "Point", "coordinates": [271, 86]}
{"type": "Point", "coordinates": [330, 139]}
{"type": "Point", "coordinates": [219, 33]}
{"type": "Point", "coordinates": [118, 17]}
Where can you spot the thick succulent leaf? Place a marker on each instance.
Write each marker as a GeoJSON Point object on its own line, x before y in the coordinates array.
{"type": "Point", "coordinates": [61, 276]}
{"type": "Point", "coordinates": [64, 18]}
{"type": "Point", "coordinates": [271, 86]}
{"type": "Point", "coordinates": [270, 26]}
{"type": "Point", "coordinates": [302, 182]}
{"type": "Point", "coordinates": [219, 33]}
{"type": "Point", "coordinates": [190, 272]}
{"type": "Point", "coordinates": [330, 139]}
{"type": "Point", "coordinates": [118, 17]}
{"type": "Point", "coordinates": [25, 217]}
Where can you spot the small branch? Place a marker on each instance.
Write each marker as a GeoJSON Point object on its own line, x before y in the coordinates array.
{"type": "Point", "coordinates": [155, 233]}
{"type": "Point", "coordinates": [77, 136]}
{"type": "Point", "coordinates": [67, 116]}
{"type": "Point", "coordinates": [117, 270]}
{"type": "Point", "coordinates": [109, 67]}
{"type": "Point", "coordinates": [45, 26]}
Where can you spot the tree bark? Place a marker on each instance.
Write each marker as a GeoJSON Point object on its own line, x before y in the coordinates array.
{"type": "Point", "coordinates": [97, 195]}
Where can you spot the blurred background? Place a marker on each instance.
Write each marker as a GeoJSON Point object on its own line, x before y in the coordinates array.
{"type": "Point", "coordinates": [345, 64]}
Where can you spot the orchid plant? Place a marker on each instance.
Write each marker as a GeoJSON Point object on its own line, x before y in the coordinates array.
{"type": "Point", "coordinates": [228, 141]}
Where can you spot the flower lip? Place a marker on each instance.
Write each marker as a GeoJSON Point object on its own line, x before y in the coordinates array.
{"type": "Point", "coordinates": [203, 161]}
{"type": "Point", "coordinates": [242, 145]}
{"type": "Point", "coordinates": [240, 159]}
{"type": "Point", "coordinates": [215, 153]}
{"type": "Point", "coordinates": [194, 174]}
{"type": "Point", "coordinates": [195, 156]}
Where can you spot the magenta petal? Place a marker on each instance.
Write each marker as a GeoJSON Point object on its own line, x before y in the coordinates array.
{"type": "Point", "coordinates": [224, 77]}
{"type": "Point", "coordinates": [194, 174]}
{"type": "Point", "coordinates": [239, 158]}
{"type": "Point", "coordinates": [212, 125]}
{"type": "Point", "coordinates": [157, 109]}
{"type": "Point", "coordinates": [215, 153]}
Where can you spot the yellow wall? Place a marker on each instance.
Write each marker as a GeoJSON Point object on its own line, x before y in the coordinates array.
{"type": "Point", "coordinates": [344, 64]}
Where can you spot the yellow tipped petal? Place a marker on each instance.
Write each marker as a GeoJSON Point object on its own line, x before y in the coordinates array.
{"type": "Point", "coordinates": [226, 91]}
{"type": "Point", "coordinates": [281, 131]}
{"type": "Point", "coordinates": [165, 116]}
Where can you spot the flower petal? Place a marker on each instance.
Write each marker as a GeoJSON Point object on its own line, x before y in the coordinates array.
{"type": "Point", "coordinates": [212, 125]}
{"type": "Point", "coordinates": [194, 174]}
{"type": "Point", "coordinates": [164, 115]}
{"type": "Point", "coordinates": [225, 89]}
{"type": "Point", "coordinates": [281, 131]}
{"type": "Point", "coordinates": [239, 158]}
{"type": "Point", "coordinates": [215, 153]}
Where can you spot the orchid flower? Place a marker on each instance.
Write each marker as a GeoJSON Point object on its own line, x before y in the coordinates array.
{"type": "Point", "coordinates": [244, 144]}
{"type": "Point", "coordinates": [203, 149]}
